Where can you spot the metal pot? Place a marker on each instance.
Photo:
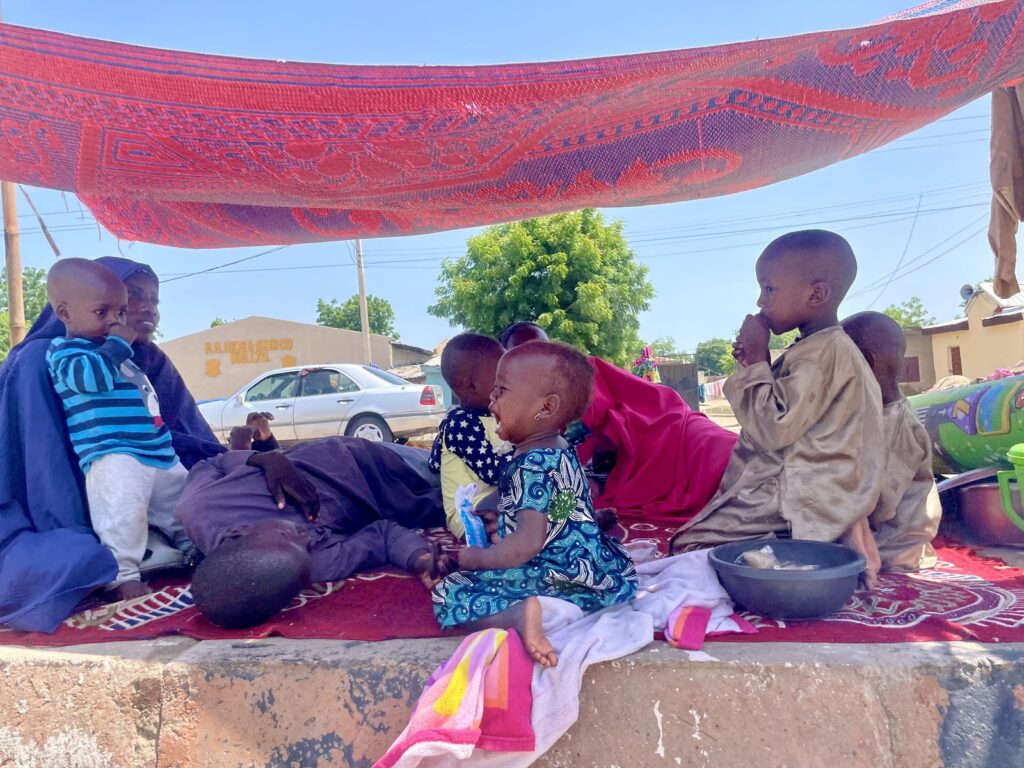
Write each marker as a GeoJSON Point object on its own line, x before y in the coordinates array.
{"type": "Point", "coordinates": [981, 510]}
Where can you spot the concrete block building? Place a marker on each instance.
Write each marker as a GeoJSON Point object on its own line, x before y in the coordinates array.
{"type": "Point", "coordinates": [989, 336]}
{"type": "Point", "coordinates": [219, 360]}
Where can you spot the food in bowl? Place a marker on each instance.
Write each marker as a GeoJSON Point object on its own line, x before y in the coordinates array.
{"type": "Point", "coordinates": [789, 594]}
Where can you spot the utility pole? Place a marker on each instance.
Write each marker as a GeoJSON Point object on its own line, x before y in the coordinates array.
{"type": "Point", "coordinates": [364, 315]}
{"type": "Point", "coordinates": [12, 255]}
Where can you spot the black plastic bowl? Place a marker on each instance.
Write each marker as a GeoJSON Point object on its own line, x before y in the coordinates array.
{"type": "Point", "coordinates": [789, 594]}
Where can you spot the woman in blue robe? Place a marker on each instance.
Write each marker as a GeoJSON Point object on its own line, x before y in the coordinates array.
{"type": "Point", "coordinates": [50, 559]}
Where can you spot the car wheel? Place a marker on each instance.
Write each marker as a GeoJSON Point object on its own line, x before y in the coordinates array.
{"type": "Point", "coordinates": [372, 428]}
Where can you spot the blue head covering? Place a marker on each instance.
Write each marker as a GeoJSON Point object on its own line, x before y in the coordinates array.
{"type": "Point", "coordinates": [49, 557]}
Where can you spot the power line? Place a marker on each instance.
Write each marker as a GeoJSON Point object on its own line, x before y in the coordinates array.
{"type": "Point", "coordinates": [906, 247]}
{"type": "Point", "coordinates": [228, 264]}
{"type": "Point", "coordinates": [892, 276]}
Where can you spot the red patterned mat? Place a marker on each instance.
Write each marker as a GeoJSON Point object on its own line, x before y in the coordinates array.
{"type": "Point", "coordinates": [966, 597]}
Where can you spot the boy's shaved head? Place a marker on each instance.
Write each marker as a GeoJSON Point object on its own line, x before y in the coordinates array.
{"type": "Point", "coordinates": [468, 363]}
{"type": "Point", "coordinates": [87, 297]}
{"type": "Point", "coordinates": [520, 333]}
{"type": "Point", "coordinates": [236, 586]}
{"type": "Point", "coordinates": [820, 256]}
{"type": "Point", "coordinates": [880, 339]}
{"type": "Point", "coordinates": [876, 335]}
{"type": "Point", "coordinates": [72, 276]}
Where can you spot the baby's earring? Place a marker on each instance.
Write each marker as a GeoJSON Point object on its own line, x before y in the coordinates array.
{"type": "Point", "coordinates": [537, 417]}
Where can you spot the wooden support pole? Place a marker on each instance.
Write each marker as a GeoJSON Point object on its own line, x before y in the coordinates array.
{"type": "Point", "coordinates": [364, 315]}
{"type": "Point", "coordinates": [12, 256]}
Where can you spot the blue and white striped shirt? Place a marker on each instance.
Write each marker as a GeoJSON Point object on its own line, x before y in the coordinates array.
{"type": "Point", "coordinates": [109, 404]}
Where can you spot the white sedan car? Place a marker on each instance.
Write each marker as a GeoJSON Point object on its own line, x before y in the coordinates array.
{"type": "Point", "coordinates": [332, 399]}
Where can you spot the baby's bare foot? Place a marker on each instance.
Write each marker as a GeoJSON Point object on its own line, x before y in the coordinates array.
{"type": "Point", "coordinates": [534, 639]}
{"type": "Point", "coordinates": [129, 590]}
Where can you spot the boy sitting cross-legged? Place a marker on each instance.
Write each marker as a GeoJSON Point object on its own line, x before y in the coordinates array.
{"type": "Point", "coordinates": [811, 454]}
{"type": "Point", "coordinates": [908, 513]}
{"type": "Point", "coordinates": [467, 448]}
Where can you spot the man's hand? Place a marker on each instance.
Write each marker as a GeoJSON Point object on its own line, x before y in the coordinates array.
{"type": "Point", "coordinates": [752, 342]}
{"type": "Point", "coordinates": [122, 332]}
{"type": "Point", "coordinates": [285, 482]}
{"type": "Point", "coordinates": [259, 422]}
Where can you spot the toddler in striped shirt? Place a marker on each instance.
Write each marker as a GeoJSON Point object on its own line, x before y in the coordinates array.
{"type": "Point", "coordinates": [132, 475]}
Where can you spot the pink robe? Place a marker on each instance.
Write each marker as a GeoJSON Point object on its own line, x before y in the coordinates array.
{"type": "Point", "coordinates": [669, 458]}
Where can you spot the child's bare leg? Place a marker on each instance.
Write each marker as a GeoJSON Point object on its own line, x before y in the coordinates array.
{"type": "Point", "coordinates": [527, 618]}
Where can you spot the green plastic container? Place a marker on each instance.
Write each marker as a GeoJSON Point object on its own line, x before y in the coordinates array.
{"type": "Point", "coordinates": [1006, 477]}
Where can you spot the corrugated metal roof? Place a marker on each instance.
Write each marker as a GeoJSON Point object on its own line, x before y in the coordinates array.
{"type": "Point", "coordinates": [1017, 300]}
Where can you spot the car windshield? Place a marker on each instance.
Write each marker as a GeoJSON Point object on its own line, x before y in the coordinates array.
{"type": "Point", "coordinates": [390, 378]}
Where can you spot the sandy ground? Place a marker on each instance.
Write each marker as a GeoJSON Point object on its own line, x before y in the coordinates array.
{"type": "Point", "coordinates": [720, 412]}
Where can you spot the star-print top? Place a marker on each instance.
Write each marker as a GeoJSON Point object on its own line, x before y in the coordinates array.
{"type": "Point", "coordinates": [463, 434]}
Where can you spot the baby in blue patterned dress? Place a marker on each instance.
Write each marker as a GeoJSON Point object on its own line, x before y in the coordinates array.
{"type": "Point", "coordinates": [549, 543]}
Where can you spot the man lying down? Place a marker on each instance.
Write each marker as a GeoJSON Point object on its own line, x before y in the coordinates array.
{"type": "Point", "coordinates": [269, 524]}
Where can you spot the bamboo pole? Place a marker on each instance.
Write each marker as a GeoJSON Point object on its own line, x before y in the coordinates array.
{"type": "Point", "coordinates": [12, 259]}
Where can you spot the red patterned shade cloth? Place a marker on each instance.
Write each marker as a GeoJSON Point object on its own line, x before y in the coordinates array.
{"type": "Point", "coordinates": [206, 151]}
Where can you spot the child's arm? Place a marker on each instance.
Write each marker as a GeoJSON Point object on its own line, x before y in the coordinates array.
{"type": "Point", "coordinates": [515, 549]}
{"type": "Point", "coordinates": [776, 412]}
{"type": "Point", "coordinates": [88, 371]}
{"type": "Point", "coordinates": [860, 539]}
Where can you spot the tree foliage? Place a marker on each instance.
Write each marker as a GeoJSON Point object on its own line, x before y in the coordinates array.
{"type": "Point", "coordinates": [715, 357]}
{"type": "Point", "coordinates": [218, 321]}
{"type": "Point", "coordinates": [379, 311]}
{"type": "Point", "coordinates": [33, 281]}
{"type": "Point", "coordinates": [783, 341]}
{"type": "Point", "coordinates": [664, 347]}
{"type": "Point", "coordinates": [570, 273]}
{"type": "Point", "coordinates": [910, 314]}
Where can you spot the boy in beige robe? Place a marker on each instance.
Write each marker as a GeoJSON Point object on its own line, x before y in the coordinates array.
{"type": "Point", "coordinates": [908, 513]}
{"type": "Point", "coordinates": [811, 452]}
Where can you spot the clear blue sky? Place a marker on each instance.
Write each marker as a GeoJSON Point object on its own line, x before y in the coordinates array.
{"type": "Point", "coordinates": [700, 253]}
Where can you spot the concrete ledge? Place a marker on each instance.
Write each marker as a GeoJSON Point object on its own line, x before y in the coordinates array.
{"type": "Point", "coordinates": [176, 703]}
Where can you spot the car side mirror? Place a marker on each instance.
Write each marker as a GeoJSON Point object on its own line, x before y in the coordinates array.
{"type": "Point", "coordinates": [240, 399]}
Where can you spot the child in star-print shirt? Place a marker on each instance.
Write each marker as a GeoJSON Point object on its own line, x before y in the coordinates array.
{"type": "Point", "coordinates": [467, 448]}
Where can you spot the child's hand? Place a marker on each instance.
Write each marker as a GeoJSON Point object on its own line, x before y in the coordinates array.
{"type": "Point", "coordinates": [490, 518]}
{"type": "Point", "coordinates": [739, 354]}
{"type": "Point", "coordinates": [487, 510]}
{"type": "Point", "coordinates": [860, 539]}
{"type": "Point", "coordinates": [122, 332]}
{"type": "Point", "coordinates": [752, 341]}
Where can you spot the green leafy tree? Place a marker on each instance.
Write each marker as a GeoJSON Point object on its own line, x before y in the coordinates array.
{"type": "Point", "coordinates": [715, 356]}
{"type": "Point", "coordinates": [33, 281]}
{"type": "Point", "coordinates": [664, 347]}
{"type": "Point", "coordinates": [910, 314]}
{"type": "Point", "coordinates": [783, 341]}
{"type": "Point", "coordinates": [379, 311]}
{"type": "Point", "coordinates": [218, 321]}
{"type": "Point", "coordinates": [571, 273]}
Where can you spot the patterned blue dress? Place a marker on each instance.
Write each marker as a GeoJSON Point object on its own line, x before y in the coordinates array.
{"type": "Point", "coordinates": [578, 562]}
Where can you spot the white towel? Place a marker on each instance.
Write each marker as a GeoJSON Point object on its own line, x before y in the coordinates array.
{"type": "Point", "coordinates": [582, 640]}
